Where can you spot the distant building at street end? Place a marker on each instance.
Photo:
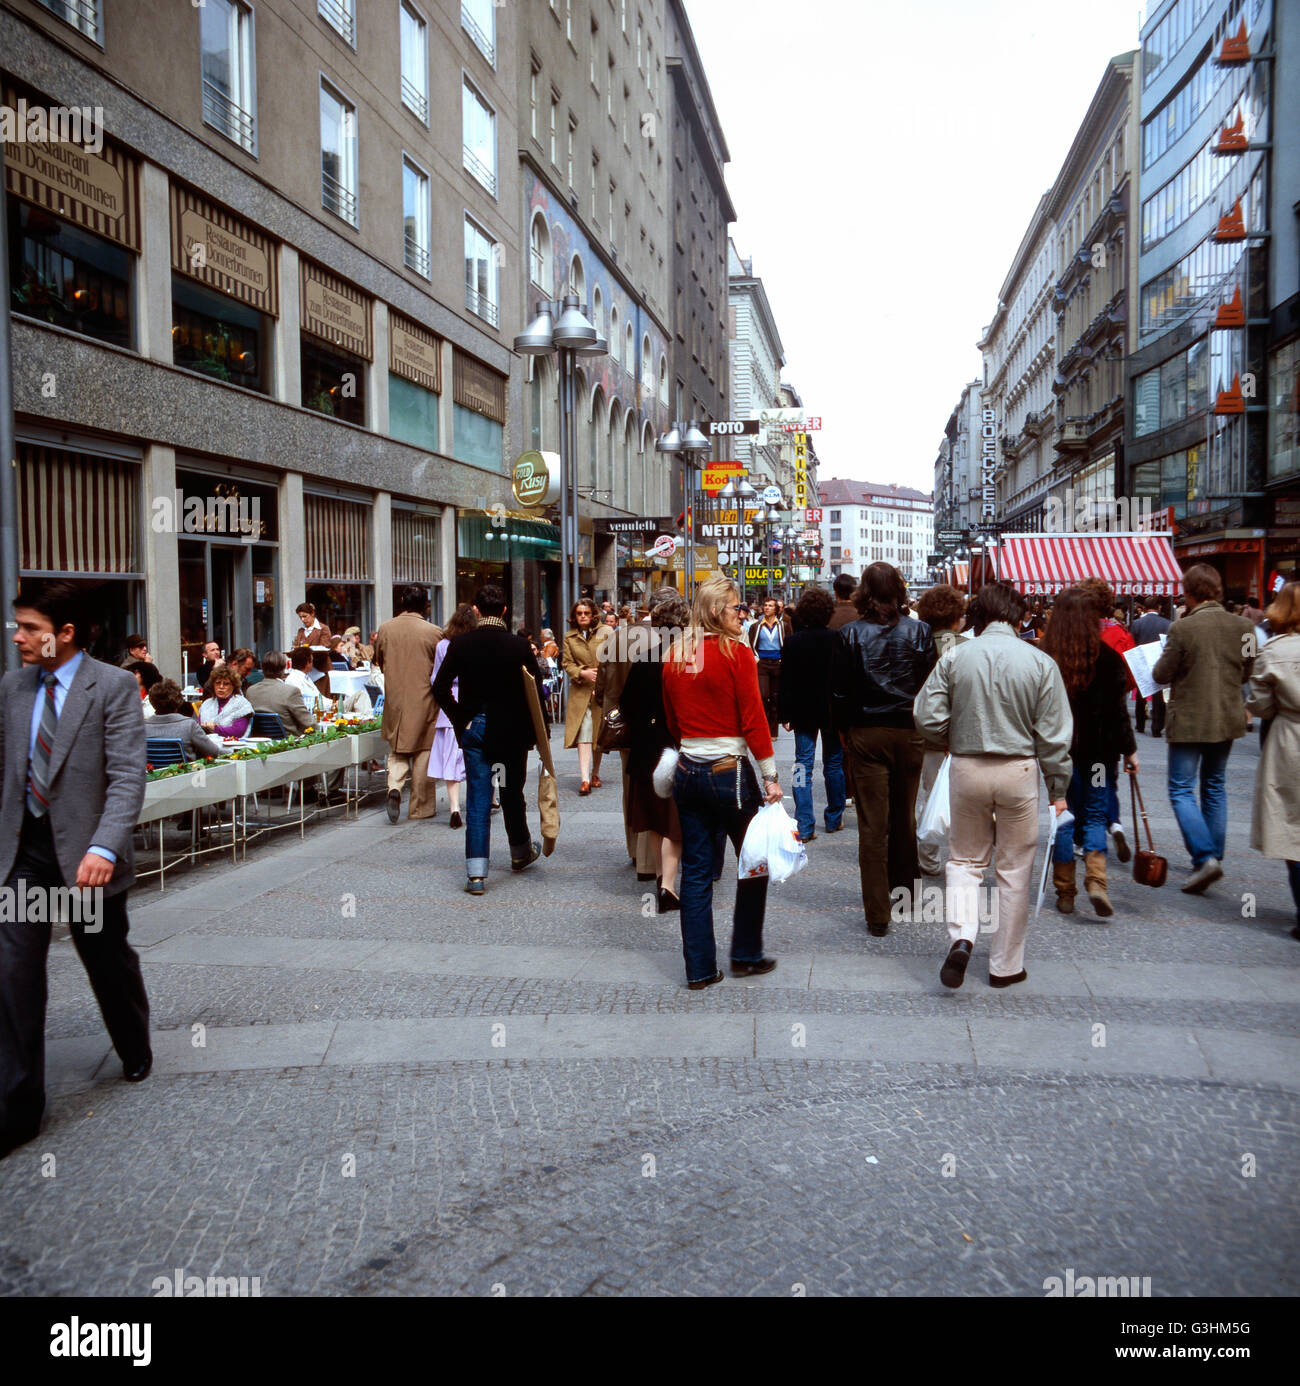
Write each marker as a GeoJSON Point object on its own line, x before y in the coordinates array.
{"type": "Point", "coordinates": [868, 522]}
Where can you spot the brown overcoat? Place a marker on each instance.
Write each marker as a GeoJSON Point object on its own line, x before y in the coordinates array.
{"type": "Point", "coordinates": [1207, 657]}
{"type": "Point", "coordinates": [404, 650]}
{"type": "Point", "coordinates": [581, 652]}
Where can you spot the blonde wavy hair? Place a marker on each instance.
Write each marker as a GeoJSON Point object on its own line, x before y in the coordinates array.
{"type": "Point", "coordinates": [712, 597]}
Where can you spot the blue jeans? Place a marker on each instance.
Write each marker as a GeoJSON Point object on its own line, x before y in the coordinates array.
{"type": "Point", "coordinates": [478, 797]}
{"type": "Point", "coordinates": [1090, 805]}
{"type": "Point", "coordinates": [706, 802]}
{"type": "Point", "coordinates": [1204, 825]}
{"type": "Point", "coordinates": [805, 747]}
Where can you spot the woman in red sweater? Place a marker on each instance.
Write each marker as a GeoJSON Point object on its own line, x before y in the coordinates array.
{"type": "Point", "coordinates": [715, 714]}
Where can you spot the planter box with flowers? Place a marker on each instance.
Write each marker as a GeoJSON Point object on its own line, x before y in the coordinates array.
{"type": "Point", "coordinates": [179, 789]}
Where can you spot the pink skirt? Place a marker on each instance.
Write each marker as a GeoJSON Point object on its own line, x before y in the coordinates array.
{"type": "Point", "coordinates": [445, 759]}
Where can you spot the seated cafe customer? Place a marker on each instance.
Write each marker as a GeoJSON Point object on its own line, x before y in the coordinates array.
{"type": "Point", "coordinates": [225, 710]}
{"type": "Point", "coordinates": [146, 675]}
{"type": "Point", "coordinates": [173, 718]}
{"type": "Point", "coordinates": [274, 694]}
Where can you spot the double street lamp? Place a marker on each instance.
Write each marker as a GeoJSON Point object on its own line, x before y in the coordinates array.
{"type": "Point", "coordinates": [563, 326]}
{"type": "Point", "coordinates": [686, 439]}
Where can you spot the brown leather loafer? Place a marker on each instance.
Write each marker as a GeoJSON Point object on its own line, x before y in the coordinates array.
{"type": "Point", "coordinates": [1020, 976]}
{"type": "Point", "coordinates": [753, 969]}
{"type": "Point", "coordinates": [705, 982]}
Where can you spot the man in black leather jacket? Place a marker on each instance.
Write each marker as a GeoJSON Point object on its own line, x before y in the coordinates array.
{"type": "Point", "coordinates": [877, 669]}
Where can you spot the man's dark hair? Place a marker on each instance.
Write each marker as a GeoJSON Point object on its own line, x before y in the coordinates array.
{"type": "Point", "coordinates": [150, 674]}
{"type": "Point", "coordinates": [882, 595]}
{"type": "Point", "coordinates": [240, 656]}
{"type": "Point", "coordinates": [301, 657]}
{"type": "Point", "coordinates": [1203, 583]}
{"type": "Point", "coordinates": [133, 642]}
{"type": "Point", "coordinates": [1151, 604]}
{"type": "Point", "coordinates": [307, 607]}
{"type": "Point", "coordinates": [996, 601]}
{"type": "Point", "coordinates": [490, 600]}
{"type": "Point", "coordinates": [844, 585]}
{"type": "Point", "coordinates": [814, 609]}
{"type": "Point", "coordinates": [61, 603]}
{"type": "Point", "coordinates": [274, 664]}
{"type": "Point", "coordinates": [412, 598]}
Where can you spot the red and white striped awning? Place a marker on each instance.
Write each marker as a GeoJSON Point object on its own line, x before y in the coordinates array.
{"type": "Point", "coordinates": [1138, 564]}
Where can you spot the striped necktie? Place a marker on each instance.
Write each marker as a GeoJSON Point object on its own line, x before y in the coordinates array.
{"type": "Point", "coordinates": [38, 770]}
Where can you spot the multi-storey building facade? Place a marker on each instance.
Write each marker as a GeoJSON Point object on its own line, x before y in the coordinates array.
{"type": "Point", "coordinates": [957, 468]}
{"type": "Point", "coordinates": [1211, 380]}
{"type": "Point", "coordinates": [756, 359]}
{"type": "Point", "coordinates": [1019, 359]}
{"type": "Point", "coordinates": [865, 522]}
{"type": "Point", "coordinates": [1096, 282]}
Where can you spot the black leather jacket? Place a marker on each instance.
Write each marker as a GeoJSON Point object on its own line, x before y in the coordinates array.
{"type": "Point", "coordinates": [877, 671]}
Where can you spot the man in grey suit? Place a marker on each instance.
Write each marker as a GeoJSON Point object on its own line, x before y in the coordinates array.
{"type": "Point", "coordinates": [272, 694]}
{"type": "Point", "coordinates": [72, 770]}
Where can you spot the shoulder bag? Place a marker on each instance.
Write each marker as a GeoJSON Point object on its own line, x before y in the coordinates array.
{"type": "Point", "coordinates": [1148, 868]}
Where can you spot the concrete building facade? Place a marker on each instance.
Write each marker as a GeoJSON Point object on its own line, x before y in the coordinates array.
{"type": "Point", "coordinates": [868, 522]}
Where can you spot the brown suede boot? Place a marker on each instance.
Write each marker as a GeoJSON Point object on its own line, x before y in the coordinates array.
{"type": "Point", "coordinates": [1063, 880]}
{"type": "Point", "coordinates": [1094, 882]}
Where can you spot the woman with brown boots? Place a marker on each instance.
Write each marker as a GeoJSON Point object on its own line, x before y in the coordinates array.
{"type": "Point", "coordinates": [1096, 681]}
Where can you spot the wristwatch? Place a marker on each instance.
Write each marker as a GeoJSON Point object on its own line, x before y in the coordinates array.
{"type": "Point", "coordinates": [771, 779]}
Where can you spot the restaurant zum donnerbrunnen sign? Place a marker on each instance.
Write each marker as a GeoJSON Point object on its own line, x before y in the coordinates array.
{"type": "Point", "coordinates": [223, 251]}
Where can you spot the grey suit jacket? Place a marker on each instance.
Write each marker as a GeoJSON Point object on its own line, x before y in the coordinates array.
{"type": "Point", "coordinates": [97, 767]}
{"type": "Point", "coordinates": [274, 695]}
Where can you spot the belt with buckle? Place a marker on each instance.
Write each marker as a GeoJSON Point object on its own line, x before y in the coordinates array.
{"type": "Point", "coordinates": [724, 766]}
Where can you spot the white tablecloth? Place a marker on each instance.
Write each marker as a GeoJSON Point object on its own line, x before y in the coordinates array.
{"type": "Point", "coordinates": [348, 680]}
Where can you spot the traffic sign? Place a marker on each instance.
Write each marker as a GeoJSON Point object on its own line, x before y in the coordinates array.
{"type": "Point", "coordinates": [663, 546]}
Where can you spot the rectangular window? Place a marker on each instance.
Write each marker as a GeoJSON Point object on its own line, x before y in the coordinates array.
{"type": "Point", "coordinates": [64, 275]}
{"type": "Point", "coordinates": [338, 154]}
{"type": "Point", "coordinates": [1173, 391]}
{"type": "Point", "coordinates": [333, 381]}
{"type": "Point", "coordinates": [412, 413]}
{"type": "Point", "coordinates": [480, 273]}
{"type": "Point", "coordinates": [341, 16]}
{"type": "Point", "coordinates": [555, 127]}
{"type": "Point", "coordinates": [480, 138]}
{"type": "Point", "coordinates": [595, 183]}
{"type": "Point", "coordinates": [479, 20]}
{"type": "Point", "coordinates": [534, 116]}
{"type": "Point", "coordinates": [568, 158]}
{"type": "Point", "coordinates": [226, 47]}
{"type": "Point", "coordinates": [415, 62]}
{"type": "Point", "coordinates": [85, 16]}
{"type": "Point", "coordinates": [415, 218]}
{"type": "Point", "coordinates": [1146, 403]}
{"type": "Point", "coordinates": [219, 336]}
{"type": "Point", "coordinates": [609, 88]}
{"type": "Point", "coordinates": [593, 62]}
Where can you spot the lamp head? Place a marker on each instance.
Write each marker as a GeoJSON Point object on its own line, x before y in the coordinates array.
{"type": "Point", "coordinates": [670, 441]}
{"type": "Point", "coordinates": [573, 331]}
{"type": "Point", "coordinates": [694, 440]}
{"type": "Point", "coordinates": [537, 338]}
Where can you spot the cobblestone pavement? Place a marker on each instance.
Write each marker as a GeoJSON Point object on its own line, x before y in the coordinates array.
{"type": "Point", "coordinates": [369, 1083]}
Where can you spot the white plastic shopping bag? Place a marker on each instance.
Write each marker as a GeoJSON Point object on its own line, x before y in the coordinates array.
{"type": "Point", "coordinates": [771, 847]}
{"type": "Point", "coordinates": [932, 830]}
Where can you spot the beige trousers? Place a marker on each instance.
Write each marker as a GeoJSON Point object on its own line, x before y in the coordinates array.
{"type": "Point", "coordinates": [930, 857]}
{"type": "Point", "coordinates": [980, 787]}
{"type": "Point", "coordinates": [424, 791]}
{"type": "Point", "coordinates": [639, 845]}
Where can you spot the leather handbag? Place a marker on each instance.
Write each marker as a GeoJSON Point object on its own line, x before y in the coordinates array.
{"type": "Point", "coordinates": [615, 734]}
{"type": "Point", "coordinates": [1148, 868]}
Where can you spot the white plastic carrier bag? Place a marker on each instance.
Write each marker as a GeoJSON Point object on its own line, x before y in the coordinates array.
{"type": "Point", "coordinates": [771, 847]}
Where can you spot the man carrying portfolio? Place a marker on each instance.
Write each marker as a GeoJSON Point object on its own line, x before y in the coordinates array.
{"type": "Point", "coordinates": [72, 771]}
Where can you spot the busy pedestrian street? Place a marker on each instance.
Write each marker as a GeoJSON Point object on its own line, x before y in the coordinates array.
{"type": "Point", "coordinates": [366, 1082]}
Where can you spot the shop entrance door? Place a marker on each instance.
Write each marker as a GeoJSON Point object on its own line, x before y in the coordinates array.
{"type": "Point", "coordinates": [230, 587]}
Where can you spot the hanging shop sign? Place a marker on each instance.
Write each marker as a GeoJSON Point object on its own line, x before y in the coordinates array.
{"type": "Point", "coordinates": [801, 471]}
{"type": "Point", "coordinates": [716, 475]}
{"type": "Point", "coordinates": [333, 310]}
{"type": "Point", "coordinates": [414, 353]}
{"type": "Point", "coordinates": [732, 428]}
{"type": "Point", "coordinates": [222, 251]}
{"type": "Point", "coordinates": [988, 464]}
{"type": "Point", "coordinates": [536, 480]}
{"type": "Point", "coordinates": [643, 524]}
{"type": "Point", "coordinates": [663, 547]}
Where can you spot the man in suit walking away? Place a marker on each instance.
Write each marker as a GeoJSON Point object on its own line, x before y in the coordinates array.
{"type": "Point", "coordinates": [404, 649]}
{"type": "Point", "coordinates": [72, 771]}
{"type": "Point", "coordinates": [1147, 629]}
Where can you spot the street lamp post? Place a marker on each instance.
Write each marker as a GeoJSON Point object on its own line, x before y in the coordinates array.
{"type": "Point", "coordinates": [572, 335]}
{"type": "Point", "coordinates": [686, 438]}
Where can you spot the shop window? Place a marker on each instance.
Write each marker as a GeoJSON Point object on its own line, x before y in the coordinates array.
{"type": "Point", "coordinates": [1284, 413]}
{"type": "Point", "coordinates": [69, 277]}
{"type": "Point", "coordinates": [412, 413]}
{"type": "Point", "coordinates": [333, 382]}
{"type": "Point", "coordinates": [219, 336]}
{"type": "Point", "coordinates": [476, 439]}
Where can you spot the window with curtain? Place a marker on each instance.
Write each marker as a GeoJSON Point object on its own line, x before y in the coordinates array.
{"type": "Point", "coordinates": [226, 46]}
{"type": "Point", "coordinates": [479, 20]}
{"type": "Point", "coordinates": [341, 16]}
{"type": "Point", "coordinates": [415, 218]}
{"type": "Point", "coordinates": [415, 62]}
{"type": "Point", "coordinates": [480, 273]}
{"type": "Point", "coordinates": [338, 153]}
{"type": "Point", "coordinates": [539, 244]}
{"type": "Point", "coordinates": [478, 125]}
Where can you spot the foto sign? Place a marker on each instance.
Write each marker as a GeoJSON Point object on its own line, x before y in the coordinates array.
{"type": "Point", "coordinates": [732, 428]}
{"type": "Point", "coordinates": [536, 480]}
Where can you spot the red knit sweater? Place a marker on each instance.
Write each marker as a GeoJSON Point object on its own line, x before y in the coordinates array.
{"type": "Point", "coordinates": [722, 699]}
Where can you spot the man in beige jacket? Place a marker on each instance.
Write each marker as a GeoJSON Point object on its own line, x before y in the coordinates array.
{"type": "Point", "coordinates": [1208, 655]}
{"type": "Point", "coordinates": [404, 650]}
{"type": "Point", "coordinates": [998, 705]}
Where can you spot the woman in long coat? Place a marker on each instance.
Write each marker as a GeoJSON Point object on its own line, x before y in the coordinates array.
{"type": "Point", "coordinates": [581, 660]}
{"type": "Point", "coordinates": [1275, 693]}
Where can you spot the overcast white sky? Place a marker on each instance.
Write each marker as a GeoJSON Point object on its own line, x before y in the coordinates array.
{"type": "Point", "coordinates": [885, 162]}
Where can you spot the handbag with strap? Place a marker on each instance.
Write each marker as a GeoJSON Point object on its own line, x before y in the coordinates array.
{"type": "Point", "coordinates": [615, 734]}
{"type": "Point", "coordinates": [548, 792]}
{"type": "Point", "coordinates": [1148, 868]}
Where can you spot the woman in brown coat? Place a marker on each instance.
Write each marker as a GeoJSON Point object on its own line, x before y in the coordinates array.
{"type": "Point", "coordinates": [581, 660]}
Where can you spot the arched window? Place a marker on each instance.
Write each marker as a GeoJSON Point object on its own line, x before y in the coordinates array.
{"type": "Point", "coordinates": [586, 474]}
{"type": "Point", "coordinates": [577, 280]}
{"type": "Point", "coordinates": [598, 312]}
{"type": "Point", "coordinates": [613, 451]}
{"type": "Point", "coordinates": [539, 240]}
{"type": "Point", "coordinates": [629, 352]}
{"type": "Point", "coordinates": [663, 380]}
{"type": "Point", "coordinates": [615, 342]}
{"type": "Point", "coordinates": [599, 431]}
{"type": "Point", "coordinates": [629, 428]}
{"type": "Point", "coordinates": [543, 407]}
{"type": "Point", "coordinates": [647, 365]}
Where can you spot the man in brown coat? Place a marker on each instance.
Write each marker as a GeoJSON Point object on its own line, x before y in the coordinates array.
{"type": "Point", "coordinates": [404, 650]}
{"type": "Point", "coordinates": [1208, 656]}
{"type": "Point", "coordinates": [846, 611]}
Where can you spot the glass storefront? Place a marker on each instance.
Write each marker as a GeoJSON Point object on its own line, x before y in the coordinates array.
{"type": "Point", "coordinates": [219, 336]}
{"type": "Point", "coordinates": [333, 382]}
{"type": "Point", "coordinates": [340, 584]}
{"type": "Point", "coordinates": [412, 413]}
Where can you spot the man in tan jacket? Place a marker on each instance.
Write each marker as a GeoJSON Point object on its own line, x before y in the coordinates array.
{"type": "Point", "coordinates": [404, 650]}
{"type": "Point", "coordinates": [1208, 656]}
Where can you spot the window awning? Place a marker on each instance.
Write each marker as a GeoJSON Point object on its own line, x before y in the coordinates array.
{"type": "Point", "coordinates": [1136, 564]}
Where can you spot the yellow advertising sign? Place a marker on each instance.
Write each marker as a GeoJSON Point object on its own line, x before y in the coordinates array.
{"type": "Point", "coordinates": [717, 474]}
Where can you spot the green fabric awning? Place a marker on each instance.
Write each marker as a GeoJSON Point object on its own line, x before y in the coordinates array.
{"type": "Point", "coordinates": [478, 536]}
